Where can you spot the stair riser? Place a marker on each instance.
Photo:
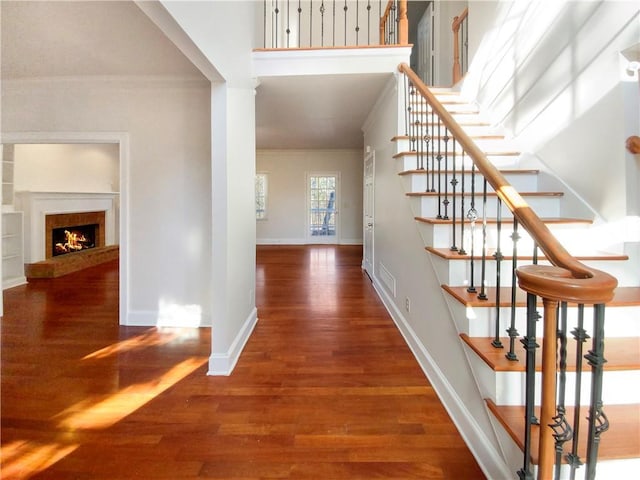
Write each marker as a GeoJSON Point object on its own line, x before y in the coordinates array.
{"type": "Point", "coordinates": [438, 146]}
{"type": "Point", "coordinates": [410, 162]}
{"type": "Point", "coordinates": [480, 321]}
{"type": "Point", "coordinates": [417, 182]}
{"type": "Point", "coordinates": [427, 206]}
{"type": "Point", "coordinates": [442, 235]}
{"type": "Point", "coordinates": [458, 272]}
{"type": "Point", "coordinates": [508, 388]}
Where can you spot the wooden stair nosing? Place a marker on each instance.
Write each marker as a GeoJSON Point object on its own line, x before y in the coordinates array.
{"type": "Point", "coordinates": [492, 220]}
{"type": "Point", "coordinates": [489, 194]}
{"type": "Point", "coordinates": [621, 441]}
{"type": "Point", "coordinates": [622, 297]}
{"type": "Point", "coordinates": [507, 153]}
{"type": "Point", "coordinates": [622, 354]}
{"type": "Point", "coordinates": [504, 171]}
{"type": "Point", "coordinates": [449, 254]}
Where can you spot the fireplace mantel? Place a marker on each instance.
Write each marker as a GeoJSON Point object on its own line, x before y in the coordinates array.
{"type": "Point", "coordinates": [37, 205]}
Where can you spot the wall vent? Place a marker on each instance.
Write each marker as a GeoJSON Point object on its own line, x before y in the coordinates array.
{"type": "Point", "coordinates": [388, 280]}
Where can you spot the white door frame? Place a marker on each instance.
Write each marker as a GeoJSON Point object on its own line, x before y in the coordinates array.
{"type": "Point", "coordinates": [368, 213]}
{"type": "Point", "coordinates": [122, 139]}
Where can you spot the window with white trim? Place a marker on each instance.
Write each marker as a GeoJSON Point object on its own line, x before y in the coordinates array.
{"type": "Point", "coordinates": [261, 196]}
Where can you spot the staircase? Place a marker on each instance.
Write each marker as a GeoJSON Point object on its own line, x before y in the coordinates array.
{"type": "Point", "coordinates": [495, 318]}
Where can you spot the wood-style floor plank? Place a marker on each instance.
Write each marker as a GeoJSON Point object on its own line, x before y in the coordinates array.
{"type": "Point", "coordinates": [326, 387]}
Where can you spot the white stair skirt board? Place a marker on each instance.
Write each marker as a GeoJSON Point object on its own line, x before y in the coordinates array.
{"type": "Point", "coordinates": [490, 461]}
{"type": "Point", "coordinates": [223, 363]}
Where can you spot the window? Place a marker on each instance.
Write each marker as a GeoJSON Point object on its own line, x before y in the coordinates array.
{"type": "Point", "coordinates": [261, 196]}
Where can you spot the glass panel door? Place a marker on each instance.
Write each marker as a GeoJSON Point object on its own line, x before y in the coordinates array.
{"type": "Point", "coordinates": [322, 195]}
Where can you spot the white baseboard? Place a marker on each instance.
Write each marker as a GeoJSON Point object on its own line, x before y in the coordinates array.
{"type": "Point", "coordinates": [489, 459]}
{"type": "Point", "coordinates": [223, 363]}
{"type": "Point", "coordinates": [302, 241]}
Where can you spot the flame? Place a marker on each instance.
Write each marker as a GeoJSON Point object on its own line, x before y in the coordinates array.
{"type": "Point", "coordinates": [74, 241]}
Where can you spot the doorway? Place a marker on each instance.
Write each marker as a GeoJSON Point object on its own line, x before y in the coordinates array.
{"type": "Point", "coordinates": [322, 212]}
{"type": "Point", "coordinates": [368, 214]}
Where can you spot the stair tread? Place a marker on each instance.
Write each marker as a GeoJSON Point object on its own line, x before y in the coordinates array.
{"type": "Point", "coordinates": [504, 153]}
{"type": "Point", "coordinates": [448, 254]}
{"type": "Point", "coordinates": [621, 441]}
{"type": "Point", "coordinates": [622, 353]}
{"type": "Point", "coordinates": [622, 297]}
{"type": "Point", "coordinates": [489, 194]}
{"type": "Point", "coordinates": [487, 136]}
{"type": "Point", "coordinates": [508, 171]}
{"type": "Point", "coordinates": [548, 220]}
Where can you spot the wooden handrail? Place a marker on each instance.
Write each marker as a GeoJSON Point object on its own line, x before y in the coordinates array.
{"type": "Point", "coordinates": [403, 22]}
{"type": "Point", "coordinates": [569, 279]}
{"type": "Point", "coordinates": [457, 21]}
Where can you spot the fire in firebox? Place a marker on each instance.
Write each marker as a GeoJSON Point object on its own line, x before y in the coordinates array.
{"type": "Point", "coordinates": [73, 239]}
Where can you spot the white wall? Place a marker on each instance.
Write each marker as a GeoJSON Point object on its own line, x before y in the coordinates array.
{"type": "Point", "coordinates": [287, 171]}
{"type": "Point", "coordinates": [67, 168]}
{"type": "Point", "coordinates": [550, 73]}
{"type": "Point", "coordinates": [168, 223]}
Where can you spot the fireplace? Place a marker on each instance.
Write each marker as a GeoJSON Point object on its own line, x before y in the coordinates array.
{"type": "Point", "coordinates": [67, 233]}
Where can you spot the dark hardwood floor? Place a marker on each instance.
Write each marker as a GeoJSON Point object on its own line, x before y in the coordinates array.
{"type": "Point", "coordinates": [326, 387]}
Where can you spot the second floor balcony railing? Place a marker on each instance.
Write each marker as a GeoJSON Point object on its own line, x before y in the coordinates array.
{"type": "Point", "coordinates": [333, 23]}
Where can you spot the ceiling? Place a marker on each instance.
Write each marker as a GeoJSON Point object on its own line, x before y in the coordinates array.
{"type": "Point", "coordinates": [107, 38]}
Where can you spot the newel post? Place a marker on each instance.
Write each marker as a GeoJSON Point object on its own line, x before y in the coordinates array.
{"type": "Point", "coordinates": [403, 23]}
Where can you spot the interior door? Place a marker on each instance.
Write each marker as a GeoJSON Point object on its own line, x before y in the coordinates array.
{"type": "Point", "coordinates": [322, 212]}
{"type": "Point", "coordinates": [368, 213]}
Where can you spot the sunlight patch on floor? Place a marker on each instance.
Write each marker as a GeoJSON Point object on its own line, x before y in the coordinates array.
{"type": "Point", "coordinates": [150, 338]}
{"type": "Point", "coordinates": [96, 412]}
{"type": "Point", "coordinates": [22, 459]}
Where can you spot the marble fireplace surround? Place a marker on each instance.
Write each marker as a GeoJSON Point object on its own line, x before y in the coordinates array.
{"type": "Point", "coordinates": [37, 205]}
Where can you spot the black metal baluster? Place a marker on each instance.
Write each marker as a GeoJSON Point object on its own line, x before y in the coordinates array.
{"type": "Point", "coordinates": [368, 22]}
{"type": "Point", "coordinates": [461, 251]}
{"type": "Point", "coordinates": [407, 106]}
{"type": "Point", "coordinates": [530, 346]}
{"type": "Point", "coordinates": [345, 22]}
{"type": "Point", "coordinates": [357, 21]}
{"type": "Point", "coordinates": [598, 422]}
{"type": "Point", "coordinates": [419, 130]}
{"type": "Point", "coordinates": [454, 184]}
{"type": "Point", "coordinates": [412, 126]}
{"type": "Point", "coordinates": [580, 336]}
{"type": "Point", "coordinates": [288, 29]}
{"type": "Point", "coordinates": [512, 331]}
{"type": "Point", "coordinates": [311, 23]}
{"type": "Point", "coordinates": [445, 202]}
{"type": "Point", "coordinates": [427, 140]}
{"type": "Point", "coordinates": [496, 343]}
{"type": "Point", "coordinates": [439, 159]}
{"type": "Point", "coordinates": [483, 265]}
{"type": "Point", "coordinates": [277, 11]}
{"type": "Point", "coordinates": [472, 215]}
{"type": "Point", "coordinates": [322, 24]}
{"type": "Point", "coordinates": [561, 429]}
{"type": "Point", "coordinates": [299, 20]}
{"type": "Point", "coordinates": [333, 23]}
{"type": "Point", "coordinates": [433, 148]}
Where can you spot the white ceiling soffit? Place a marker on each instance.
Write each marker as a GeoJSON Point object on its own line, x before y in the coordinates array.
{"type": "Point", "coordinates": [85, 38]}
{"type": "Point", "coordinates": [315, 112]}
